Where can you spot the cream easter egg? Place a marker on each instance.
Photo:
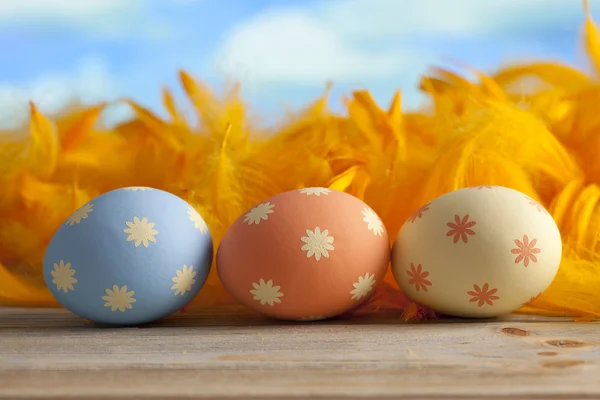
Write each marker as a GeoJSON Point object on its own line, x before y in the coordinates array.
{"type": "Point", "coordinates": [305, 255]}
{"type": "Point", "coordinates": [477, 252]}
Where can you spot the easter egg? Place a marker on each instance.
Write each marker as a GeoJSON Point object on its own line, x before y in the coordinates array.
{"type": "Point", "coordinates": [130, 256]}
{"type": "Point", "coordinates": [477, 252]}
{"type": "Point", "coordinates": [304, 255]}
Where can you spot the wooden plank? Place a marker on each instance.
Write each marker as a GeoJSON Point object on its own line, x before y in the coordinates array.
{"type": "Point", "coordinates": [50, 354]}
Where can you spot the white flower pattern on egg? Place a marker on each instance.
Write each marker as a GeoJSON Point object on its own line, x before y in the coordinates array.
{"type": "Point", "coordinates": [196, 218]}
{"type": "Point", "coordinates": [81, 213]}
{"type": "Point", "coordinates": [317, 191]}
{"type": "Point", "coordinates": [317, 244]}
{"type": "Point", "coordinates": [184, 280]}
{"type": "Point", "coordinates": [141, 232]}
{"type": "Point", "coordinates": [259, 213]}
{"type": "Point", "coordinates": [119, 298]}
{"type": "Point", "coordinates": [374, 224]}
{"type": "Point", "coordinates": [63, 276]}
{"type": "Point", "coordinates": [266, 292]}
{"type": "Point", "coordinates": [363, 286]}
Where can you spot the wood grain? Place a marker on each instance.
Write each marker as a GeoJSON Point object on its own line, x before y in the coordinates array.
{"type": "Point", "coordinates": [50, 354]}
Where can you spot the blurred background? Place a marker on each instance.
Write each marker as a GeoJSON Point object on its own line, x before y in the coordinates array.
{"type": "Point", "coordinates": [56, 52]}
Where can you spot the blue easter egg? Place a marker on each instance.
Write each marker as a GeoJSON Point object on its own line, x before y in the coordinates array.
{"type": "Point", "coordinates": [130, 256]}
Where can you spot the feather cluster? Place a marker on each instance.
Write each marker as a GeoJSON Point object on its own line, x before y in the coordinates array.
{"type": "Point", "coordinates": [530, 127]}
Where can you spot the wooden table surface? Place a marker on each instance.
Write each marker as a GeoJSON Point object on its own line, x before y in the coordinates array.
{"type": "Point", "coordinates": [50, 354]}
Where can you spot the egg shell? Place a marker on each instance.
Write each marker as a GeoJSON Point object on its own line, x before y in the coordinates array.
{"type": "Point", "coordinates": [130, 256]}
{"type": "Point", "coordinates": [477, 252]}
{"type": "Point", "coordinates": [305, 255]}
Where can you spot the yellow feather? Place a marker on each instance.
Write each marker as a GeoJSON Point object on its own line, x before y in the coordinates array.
{"type": "Point", "coordinates": [78, 127]}
{"type": "Point", "coordinates": [171, 107]}
{"type": "Point", "coordinates": [156, 128]}
{"type": "Point", "coordinates": [571, 293]}
{"type": "Point", "coordinates": [556, 75]}
{"type": "Point", "coordinates": [343, 181]}
{"type": "Point", "coordinates": [44, 146]}
{"type": "Point", "coordinates": [15, 292]}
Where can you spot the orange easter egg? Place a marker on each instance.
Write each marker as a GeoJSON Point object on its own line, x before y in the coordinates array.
{"type": "Point", "coordinates": [306, 254]}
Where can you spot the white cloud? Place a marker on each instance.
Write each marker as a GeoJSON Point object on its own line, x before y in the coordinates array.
{"type": "Point", "coordinates": [89, 83]}
{"type": "Point", "coordinates": [98, 18]}
{"type": "Point", "coordinates": [370, 41]}
{"type": "Point", "coordinates": [86, 15]}
{"type": "Point", "coordinates": [392, 19]}
{"type": "Point", "coordinates": [62, 9]}
{"type": "Point", "coordinates": [292, 44]}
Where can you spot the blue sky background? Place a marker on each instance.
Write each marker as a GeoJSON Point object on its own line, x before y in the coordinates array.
{"type": "Point", "coordinates": [282, 51]}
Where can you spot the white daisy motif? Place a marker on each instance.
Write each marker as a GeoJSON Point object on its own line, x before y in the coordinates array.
{"type": "Point", "coordinates": [62, 276]}
{"type": "Point", "coordinates": [317, 243]}
{"type": "Point", "coordinates": [363, 286]}
{"type": "Point", "coordinates": [317, 191]}
{"type": "Point", "coordinates": [311, 319]}
{"type": "Point", "coordinates": [141, 232]}
{"type": "Point", "coordinates": [137, 188]}
{"type": "Point", "coordinates": [196, 218]}
{"type": "Point", "coordinates": [119, 298]}
{"type": "Point", "coordinates": [259, 213]}
{"type": "Point", "coordinates": [184, 280]}
{"type": "Point", "coordinates": [373, 222]}
{"type": "Point", "coordinates": [81, 213]}
{"type": "Point", "coordinates": [266, 293]}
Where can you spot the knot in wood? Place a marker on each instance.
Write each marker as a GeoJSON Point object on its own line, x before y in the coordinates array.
{"type": "Point", "coordinates": [568, 344]}
{"type": "Point", "coordinates": [561, 363]}
{"type": "Point", "coordinates": [514, 331]}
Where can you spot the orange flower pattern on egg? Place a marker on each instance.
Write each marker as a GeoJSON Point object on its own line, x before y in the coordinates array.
{"type": "Point", "coordinates": [305, 254]}
{"type": "Point", "coordinates": [483, 295]}
{"type": "Point", "coordinates": [526, 251]}
{"type": "Point", "coordinates": [419, 213]}
{"type": "Point", "coordinates": [418, 277]}
{"type": "Point", "coordinates": [461, 228]}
